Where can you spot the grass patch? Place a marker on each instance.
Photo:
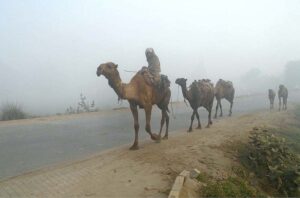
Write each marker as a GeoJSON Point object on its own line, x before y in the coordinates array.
{"type": "Point", "coordinates": [203, 177]}
{"type": "Point", "coordinates": [230, 187]}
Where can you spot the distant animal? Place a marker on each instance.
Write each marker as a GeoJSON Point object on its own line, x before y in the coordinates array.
{"type": "Point", "coordinates": [283, 94]}
{"type": "Point", "coordinates": [224, 89]}
{"type": "Point", "coordinates": [140, 92]}
{"type": "Point", "coordinates": [199, 94]}
{"type": "Point", "coordinates": [272, 95]}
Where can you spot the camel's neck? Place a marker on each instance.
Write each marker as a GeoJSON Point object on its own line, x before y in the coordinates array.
{"type": "Point", "coordinates": [117, 85]}
{"type": "Point", "coordinates": [121, 89]}
{"type": "Point", "coordinates": [185, 92]}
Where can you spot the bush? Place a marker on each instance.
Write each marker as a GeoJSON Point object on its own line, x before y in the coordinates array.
{"type": "Point", "coordinates": [83, 106]}
{"type": "Point", "coordinates": [270, 157]}
{"type": "Point", "coordinates": [12, 111]}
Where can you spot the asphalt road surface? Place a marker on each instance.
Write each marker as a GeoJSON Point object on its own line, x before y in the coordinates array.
{"type": "Point", "coordinates": [29, 145]}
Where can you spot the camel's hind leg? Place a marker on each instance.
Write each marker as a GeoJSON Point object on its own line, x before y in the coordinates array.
{"type": "Point", "coordinates": [221, 110]}
{"type": "Point", "coordinates": [209, 114]}
{"type": "Point", "coordinates": [279, 103]}
{"type": "Point", "coordinates": [285, 103]}
{"type": "Point", "coordinates": [167, 126]}
{"type": "Point", "coordinates": [192, 120]}
{"type": "Point", "coordinates": [133, 108]}
{"type": "Point", "coordinates": [230, 110]}
{"type": "Point", "coordinates": [198, 118]}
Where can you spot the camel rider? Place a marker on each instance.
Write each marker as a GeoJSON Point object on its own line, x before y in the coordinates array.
{"type": "Point", "coordinates": [153, 65]}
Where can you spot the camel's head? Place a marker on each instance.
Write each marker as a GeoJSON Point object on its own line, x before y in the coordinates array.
{"type": "Point", "coordinates": [181, 81]}
{"type": "Point", "coordinates": [109, 70]}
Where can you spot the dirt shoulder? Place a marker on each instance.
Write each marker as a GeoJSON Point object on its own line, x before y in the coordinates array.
{"type": "Point", "coordinates": [148, 172]}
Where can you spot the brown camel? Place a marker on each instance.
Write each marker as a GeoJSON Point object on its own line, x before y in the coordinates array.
{"type": "Point", "coordinates": [200, 94]}
{"type": "Point", "coordinates": [224, 89]}
{"type": "Point", "coordinates": [283, 93]}
{"type": "Point", "coordinates": [272, 95]}
{"type": "Point", "coordinates": [139, 92]}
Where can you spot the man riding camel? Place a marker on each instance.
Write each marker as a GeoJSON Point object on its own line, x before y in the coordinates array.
{"type": "Point", "coordinates": [153, 65]}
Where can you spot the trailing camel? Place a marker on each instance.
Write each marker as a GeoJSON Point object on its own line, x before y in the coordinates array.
{"type": "Point", "coordinates": [199, 94]}
{"type": "Point", "coordinates": [283, 93]}
{"type": "Point", "coordinates": [224, 89]}
{"type": "Point", "coordinates": [272, 95]}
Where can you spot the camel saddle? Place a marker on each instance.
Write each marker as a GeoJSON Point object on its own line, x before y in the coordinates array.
{"type": "Point", "coordinates": [162, 85]}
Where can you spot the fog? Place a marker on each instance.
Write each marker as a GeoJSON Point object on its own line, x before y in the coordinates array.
{"type": "Point", "coordinates": [50, 49]}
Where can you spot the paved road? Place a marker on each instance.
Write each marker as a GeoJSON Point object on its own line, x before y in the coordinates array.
{"type": "Point", "coordinates": [27, 146]}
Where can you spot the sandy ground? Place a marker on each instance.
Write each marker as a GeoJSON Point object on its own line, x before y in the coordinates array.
{"type": "Point", "coordinates": [148, 172]}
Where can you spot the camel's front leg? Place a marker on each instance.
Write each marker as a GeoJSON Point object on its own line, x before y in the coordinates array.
{"type": "Point", "coordinates": [230, 110]}
{"type": "Point", "coordinates": [148, 110]}
{"type": "Point", "coordinates": [133, 108]}
{"type": "Point", "coordinates": [192, 120]}
{"type": "Point", "coordinates": [198, 118]}
{"type": "Point", "coordinates": [209, 117]}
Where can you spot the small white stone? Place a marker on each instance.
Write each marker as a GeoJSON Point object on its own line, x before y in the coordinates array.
{"type": "Point", "coordinates": [194, 173]}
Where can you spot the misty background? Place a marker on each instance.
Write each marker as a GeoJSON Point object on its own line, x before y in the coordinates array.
{"type": "Point", "coordinates": [50, 49]}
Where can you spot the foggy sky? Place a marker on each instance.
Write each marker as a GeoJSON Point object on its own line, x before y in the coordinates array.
{"type": "Point", "coordinates": [50, 49]}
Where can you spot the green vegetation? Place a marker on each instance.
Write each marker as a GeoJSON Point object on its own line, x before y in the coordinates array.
{"type": "Point", "coordinates": [269, 165]}
{"type": "Point", "coordinates": [277, 166]}
{"type": "Point", "coordinates": [230, 187]}
{"type": "Point", "coordinates": [12, 111]}
{"type": "Point", "coordinates": [291, 132]}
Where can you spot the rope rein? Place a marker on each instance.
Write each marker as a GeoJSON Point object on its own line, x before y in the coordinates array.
{"type": "Point", "coordinates": [172, 111]}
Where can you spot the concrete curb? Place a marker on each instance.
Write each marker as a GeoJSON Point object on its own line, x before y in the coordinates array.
{"type": "Point", "coordinates": [177, 186]}
{"type": "Point", "coordinates": [180, 180]}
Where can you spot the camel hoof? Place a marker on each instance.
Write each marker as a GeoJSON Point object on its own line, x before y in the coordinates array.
{"type": "Point", "coordinates": [165, 137]}
{"type": "Point", "coordinates": [158, 140]}
{"type": "Point", "coordinates": [208, 126]}
{"type": "Point", "coordinates": [190, 130]}
{"type": "Point", "coordinates": [199, 127]}
{"type": "Point", "coordinates": [155, 137]}
{"type": "Point", "coordinates": [134, 147]}
{"type": "Point", "coordinates": [210, 122]}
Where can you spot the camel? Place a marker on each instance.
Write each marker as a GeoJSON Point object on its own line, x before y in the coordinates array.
{"type": "Point", "coordinates": [283, 93]}
{"type": "Point", "coordinates": [272, 95]}
{"type": "Point", "coordinates": [224, 89]}
{"type": "Point", "coordinates": [139, 92]}
{"type": "Point", "coordinates": [200, 94]}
